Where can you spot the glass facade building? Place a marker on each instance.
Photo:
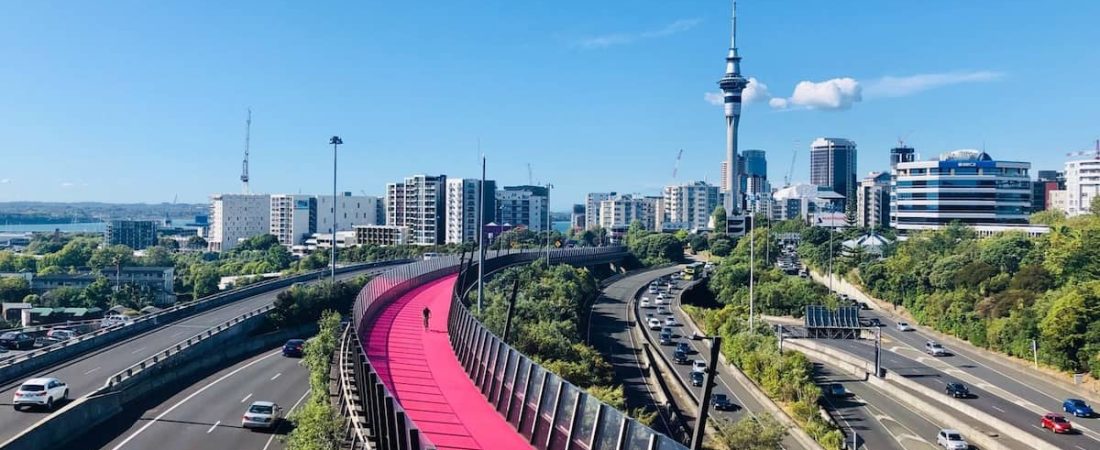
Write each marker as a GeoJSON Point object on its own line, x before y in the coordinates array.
{"type": "Point", "coordinates": [965, 186]}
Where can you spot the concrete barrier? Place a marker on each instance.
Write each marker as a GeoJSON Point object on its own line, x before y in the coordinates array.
{"type": "Point", "coordinates": [84, 414]}
{"type": "Point", "coordinates": [910, 393]}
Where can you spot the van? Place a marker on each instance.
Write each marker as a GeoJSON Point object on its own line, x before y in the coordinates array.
{"type": "Point", "coordinates": [430, 255]}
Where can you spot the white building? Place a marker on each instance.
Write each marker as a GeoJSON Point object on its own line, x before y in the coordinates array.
{"type": "Point", "coordinates": [1082, 185]}
{"type": "Point", "coordinates": [351, 210]}
{"type": "Point", "coordinates": [462, 204]}
{"type": "Point", "coordinates": [592, 208]}
{"type": "Point", "coordinates": [622, 210]}
{"type": "Point", "coordinates": [523, 205]}
{"type": "Point", "coordinates": [1057, 200]}
{"type": "Point", "coordinates": [965, 186]}
{"type": "Point", "coordinates": [418, 203]}
{"type": "Point", "coordinates": [873, 201]}
{"type": "Point", "coordinates": [689, 206]}
{"type": "Point", "coordinates": [293, 218]}
{"type": "Point", "coordinates": [235, 217]}
{"type": "Point", "coordinates": [381, 235]}
{"type": "Point", "coordinates": [803, 201]}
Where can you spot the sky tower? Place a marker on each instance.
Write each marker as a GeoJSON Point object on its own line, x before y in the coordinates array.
{"type": "Point", "coordinates": [732, 83]}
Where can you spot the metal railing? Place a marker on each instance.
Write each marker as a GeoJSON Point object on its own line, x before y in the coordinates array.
{"type": "Point", "coordinates": [547, 410]}
{"type": "Point", "coordinates": [373, 417]}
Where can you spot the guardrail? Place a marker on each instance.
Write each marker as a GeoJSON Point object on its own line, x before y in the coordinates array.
{"type": "Point", "coordinates": [18, 366]}
{"type": "Point", "coordinates": [349, 394]}
{"type": "Point", "coordinates": [549, 411]}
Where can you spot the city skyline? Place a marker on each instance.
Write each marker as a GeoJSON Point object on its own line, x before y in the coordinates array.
{"type": "Point", "coordinates": [146, 111]}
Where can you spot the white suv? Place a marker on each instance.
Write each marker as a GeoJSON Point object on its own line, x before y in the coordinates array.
{"type": "Point", "coordinates": [951, 440]}
{"type": "Point", "coordinates": [40, 392]}
{"type": "Point", "coordinates": [934, 348]}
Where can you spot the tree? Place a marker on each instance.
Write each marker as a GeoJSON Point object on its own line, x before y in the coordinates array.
{"type": "Point", "coordinates": [719, 218]}
{"type": "Point", "coordinates": [62, 297]}
{"type": "Point", "coordinates": [1094, 206]}
{"type": "Point", "coordinates": [196, 243]}
{"type": "Point", "coordinates": [698, 243]}
{"type": "Point", "coordinates": [749, 433]}
{"type": "Point", "coordinates": [98, 294]}
{"type": "Point", "coordinates": [721, 245]}
{"type": "Point", "coordinates": [204, 280]}
{"type": "Point", "coordinates": [13, 289]}
{"type": "Point", "coordinates": [157, 256]}
{"type": "Point", "coordinates": [111, 257]}
{"type": "Point", "coordinates": [169, 243]}
{"type": "Point", "coordinates": [681, 235]}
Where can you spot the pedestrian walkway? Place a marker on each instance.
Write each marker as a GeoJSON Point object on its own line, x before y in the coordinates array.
{"type": "Point", "coordinates": [421, 370]}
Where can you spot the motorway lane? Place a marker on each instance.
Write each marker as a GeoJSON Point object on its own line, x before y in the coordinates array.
{"type": "Point", "coordinates": [208, 413]}
{"type": "Point", "coordinates": [914, 367]}
{"type": "Point", "coordinates": [90, 371]}
{"type": "Point", "coordinates": [745, 402]}
{"type": "Point", "coordinates": [609, 332]}
{"type": "Point", "coordinates": [880, 421]}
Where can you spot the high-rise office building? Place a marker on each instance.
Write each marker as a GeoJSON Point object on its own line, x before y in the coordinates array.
{"type": "Point", "coordinates": [234, 217]}
{"type": "Point", "coordinates": [754, 177]}
{"type": "Point", "coordinates": [833, 167]}
{"type": "Point", "coordinates": [902, 154]}
{"type": "Point", "coordinates": [689, 206]}
{"type": "Point", "coordinates": [523, 205]}
{"type": "Point", "coordinates": [418, 204]}
{"type": "Point", "coordinates": [577, 220]}
{"type": "Point", "coordinates": [462, 206]}
{"type": "Point", "coordinates": [732, 84]}
{"type": "Point", "coordinates": [965, 186]}
{"type": "Point", "coordinates": [136, 234]}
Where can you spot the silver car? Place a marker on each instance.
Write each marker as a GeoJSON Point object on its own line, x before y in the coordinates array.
{"type": "Point", "coordinates": [262, 414]}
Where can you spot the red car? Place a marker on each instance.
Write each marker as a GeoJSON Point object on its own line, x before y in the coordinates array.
{"type": "Point", "coordinates": [1056, 423]}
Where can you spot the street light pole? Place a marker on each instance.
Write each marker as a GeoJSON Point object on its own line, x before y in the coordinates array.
{"type": "Point", "coordinates": [335, 141]}
{"type": "Point", "coordinates": [481, 237]}
{"type": "Point", "coordinates": [548, 225]}
{"type": "Point", "coordinates": [704, 401]}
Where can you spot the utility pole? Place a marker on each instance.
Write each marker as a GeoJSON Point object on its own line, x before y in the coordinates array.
{"type": "Point", "coordinates": [548, 223]}
{"type": "Point", "coordinates": [481, 234]}
{"type": "Point", "coordinates": [878, 352]}
{"type": "Point", "coordinates": [511, 311]}
{"type": "Point", "coordinates": [335, 141]}
{"type": "Point", "coordinates": [704, 401]}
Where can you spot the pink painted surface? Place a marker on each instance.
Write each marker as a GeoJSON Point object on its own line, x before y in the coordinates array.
{"type": "Point", "coordinates": [421, 370]}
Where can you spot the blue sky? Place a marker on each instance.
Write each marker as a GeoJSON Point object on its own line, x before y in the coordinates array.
{"type": "Point", "coordinates": [139, 101]}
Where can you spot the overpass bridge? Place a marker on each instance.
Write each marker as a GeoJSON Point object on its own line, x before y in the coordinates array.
{"type": "Point", "coordinates": [456, 384]}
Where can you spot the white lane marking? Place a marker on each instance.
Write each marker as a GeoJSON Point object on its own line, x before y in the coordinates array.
{"type": "Point", "coordinates": [292, 408]}
{"type": "Point", "coordinates": [189, 397]}
{"type": "Point", "coordinates": [276, 376]}
{"type": "Point", "coordinates": [996, 408]}
{"type": "Point", "coordinates": [1080, 447]}
{"type": "Point", "coordinates": [176, 334]}
{"type": "Point", "coordinates": [246, 398]}
{"type": "Point", "coordinates": [138, 350]}
{"type": "Point", "coordinates": [212, 427]}
{"type": "Point", "coordinates": [93, 370]}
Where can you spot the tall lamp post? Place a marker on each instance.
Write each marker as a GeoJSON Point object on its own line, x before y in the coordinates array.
{"type": "Point", "coordinates": [335, 141]}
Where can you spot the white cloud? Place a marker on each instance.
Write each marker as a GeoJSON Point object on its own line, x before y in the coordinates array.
{"type": "Point", "coordinates": [609, 40]}
{"type": "Point", "coordinates": [756, 91]}
{"type": "Point", "coordinates": [67, 184]}
{"type": "Point", "coordinates": [833, 94]}
{"type": "Point", "coordinates": [891, 86]}
{"type": "Point", "coordinates": [5, 181]}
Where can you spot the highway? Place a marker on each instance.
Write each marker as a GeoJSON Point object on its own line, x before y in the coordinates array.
{"type": "Point", "coordinates": [609, 332]}
{"type": "Point", "coordinates": [88, 372]}
{"type": "Point", "coordinates": [208, 413]}
{"type": "Point", "coordinates": [744, 402]}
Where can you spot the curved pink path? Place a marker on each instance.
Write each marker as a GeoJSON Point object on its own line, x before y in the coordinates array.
{"type": "Point", "coordinates": [434, 392]}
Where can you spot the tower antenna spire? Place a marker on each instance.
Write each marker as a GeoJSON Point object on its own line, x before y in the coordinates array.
{"type": "Point", "coordinates": [733, 26]}
{"type": "Point", "coordinates": [247, 139]}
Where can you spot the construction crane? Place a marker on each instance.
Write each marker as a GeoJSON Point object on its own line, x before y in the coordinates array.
{"type": "Point", "coordinates": [1094, 153]}
{"type": "Point", "coordinates": [530, 176]}
{"type": "Point", "coordinates": [676, 166]}
{"type": "Point", "coordinates": [247, 138]}
{"type": "Point", "coordinates": [790, 171]}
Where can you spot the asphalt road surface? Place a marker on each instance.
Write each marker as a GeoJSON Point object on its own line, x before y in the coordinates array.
{"type": "Point", "coordinates": [88, 372]}
{"type": "Point", "coordinates": [609, 332]}
{"type": "Point", "coordinates": [208, 413]}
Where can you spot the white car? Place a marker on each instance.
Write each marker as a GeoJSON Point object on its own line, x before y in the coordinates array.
{"type": "Point", "coordinates": [934, 348]}
{"type": "Point", "coordinates": [115, 320]}
{"type": "Point", "coordinates": [652, 289]}
{"type": "Point", "coordinates": [904, 326]}
{"type": "Point", "coordinates": [654, 324]}
{"type": "Point", "coordinates": [644, 303]}
{"type": "Point", "coordinates": [951, 440]}
{"type": "Point", "coordinates": [262, 415]}
{"type": "Point", "coordinates": [45, 392]}
{"type": "Point", "coordinates": [699, 366]}
{"type": "Point", "coordinates": [61, 334]}
{"type": "Point", "coordinates": [659, 301]}
{"type": "Point", "coordinates": [670, 321]}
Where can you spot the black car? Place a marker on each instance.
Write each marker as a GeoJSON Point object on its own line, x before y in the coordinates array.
{"type": "Point", "coordinates": [875, 323]}
{"type": "Point", "coordinates": [15, 340]}
{"type": "Point", "coordinates": [836, 390]}
{"type": "Point", "coordinates": [294, 347]}
{"type": "Point", "coordinates": [957, 390]}
{"type": "Point", "coordinates": [721, 402]}
{"type": "Point", "coordinates": [680, 357]}
{"type": "Point", "coordinates": [683, 347]}
{"type": "Point", "coordinates": [697, 378]}
{"type": "Point", "coordinates": [666, 339]}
